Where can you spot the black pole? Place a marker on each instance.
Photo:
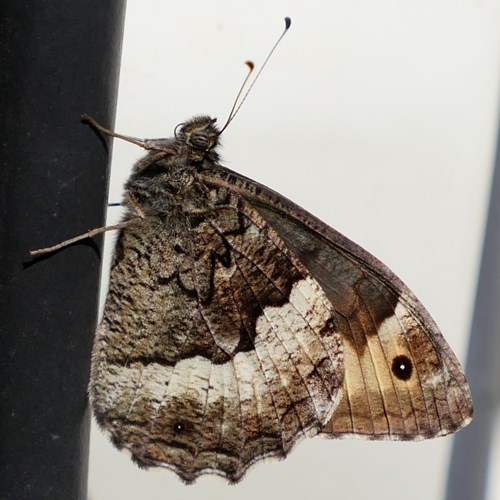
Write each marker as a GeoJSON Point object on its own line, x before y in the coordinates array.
{"type": "Point", "coordinates": [58, 59]}
{"type": "Point", "coordinates": [470, 460]}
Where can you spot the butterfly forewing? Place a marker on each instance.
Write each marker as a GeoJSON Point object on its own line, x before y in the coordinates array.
{"type": "Point", "coordinates": [401, 381]}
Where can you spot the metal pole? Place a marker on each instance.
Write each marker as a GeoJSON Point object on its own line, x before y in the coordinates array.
{"type": "Point", "coordinates": [58, 59]}
{"type": "Point", "coordinates": [469, 467]}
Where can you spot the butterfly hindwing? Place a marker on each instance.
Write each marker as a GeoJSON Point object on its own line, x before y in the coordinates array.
{"type": "Point", "coordinates": [228, 352]}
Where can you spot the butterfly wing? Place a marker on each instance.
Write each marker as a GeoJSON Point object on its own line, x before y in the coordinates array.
{"type": "Point", "coordinates": [402, 380]}
{"type": "Point", "coordinates": [217, 348]}
{"type": "Point", "coordinates": [237, 323]}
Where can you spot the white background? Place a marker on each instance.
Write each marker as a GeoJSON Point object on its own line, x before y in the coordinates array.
{"type": "Point", "coordinates": [377, 116]}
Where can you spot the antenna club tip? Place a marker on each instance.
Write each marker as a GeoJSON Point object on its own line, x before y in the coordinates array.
{"type": "Point", "coordinates": [288, 22]}
{"type": "Point", "coordinates": [250, 64]}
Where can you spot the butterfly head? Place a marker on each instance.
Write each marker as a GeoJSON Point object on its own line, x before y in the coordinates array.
{"type": "Point", "coordinates": [199, 135]}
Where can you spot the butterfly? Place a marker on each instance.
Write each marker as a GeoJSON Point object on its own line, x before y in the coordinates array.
{"type": "Point", "coordinates": [237, 323]}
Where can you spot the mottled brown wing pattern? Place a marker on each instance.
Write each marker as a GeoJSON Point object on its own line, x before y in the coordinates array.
{"type": "Point", "coordinates": [236, 323]}
{"type": "Point", "coordinates": [217, 348]}
{"type": "Point", "coordinates": [401, 381]}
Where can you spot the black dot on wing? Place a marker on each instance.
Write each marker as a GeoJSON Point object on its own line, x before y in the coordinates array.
{"type": "Point", "coordinates": [402, 367]}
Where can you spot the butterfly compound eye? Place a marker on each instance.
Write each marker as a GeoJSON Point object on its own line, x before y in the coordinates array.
{"type": "Point", "coordinates": [200, 140]}
{"type": "Point", "coordinates": [402, 367]}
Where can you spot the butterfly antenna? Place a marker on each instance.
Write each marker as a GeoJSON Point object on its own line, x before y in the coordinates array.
{"type": "Point", "coordinates": [236, 106]}
{"type": "Point", "coordinates": [251, 66]}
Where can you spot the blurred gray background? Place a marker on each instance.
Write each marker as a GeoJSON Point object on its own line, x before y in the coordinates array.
{"type": "Point", "coordinates": [378, 117]}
